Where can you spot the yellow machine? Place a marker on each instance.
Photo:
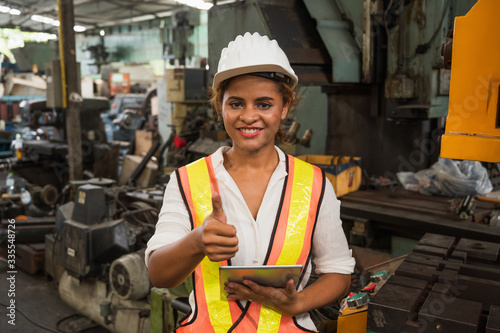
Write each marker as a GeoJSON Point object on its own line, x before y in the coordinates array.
{"type": "Point", "coordinates": [473, 122]}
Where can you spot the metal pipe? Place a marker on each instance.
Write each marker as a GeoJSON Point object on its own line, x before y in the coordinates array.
{"type": "Point", "coordinates": [61, 54]}
{"type": "Point", "coordinates": [401, 36]}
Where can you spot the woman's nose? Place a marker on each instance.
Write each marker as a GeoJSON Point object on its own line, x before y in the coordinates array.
{"type": "Point", "coordinates": [249, 115]}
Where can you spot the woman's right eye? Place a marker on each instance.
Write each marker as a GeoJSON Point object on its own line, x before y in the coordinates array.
{"type": "Point", "coordinates": [235, 105]}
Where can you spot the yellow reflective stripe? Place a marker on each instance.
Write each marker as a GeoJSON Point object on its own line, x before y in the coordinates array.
{"type": "Point", "coordinates": [201, 193]}
{"type": "Point", "coordinates": [299, 213]}
{"type": "Point", "coordinates": [269, 320]}
{"type": "Point", "coordinates": [300, 201]}
{"type": "Point", "coordinates": [219, 312]}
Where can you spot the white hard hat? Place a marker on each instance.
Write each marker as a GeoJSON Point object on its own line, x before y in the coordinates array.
{"type": "Point", "coordinates": [254, 54]}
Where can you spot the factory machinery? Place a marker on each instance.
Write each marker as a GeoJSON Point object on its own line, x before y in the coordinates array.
{"type": "Point", "coordinates": [375, 74]}
{"type": "Point", "coordinates": [373, 77]}
{"type": "Point", "coordinates": [97, 255]}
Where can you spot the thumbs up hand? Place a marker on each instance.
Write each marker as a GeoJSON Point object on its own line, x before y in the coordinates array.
{"type": "Point", "coordinates": [218, 239]}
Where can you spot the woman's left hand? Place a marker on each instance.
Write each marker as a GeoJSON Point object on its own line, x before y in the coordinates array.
{"type": "Point", "coordinates": [284, 300]}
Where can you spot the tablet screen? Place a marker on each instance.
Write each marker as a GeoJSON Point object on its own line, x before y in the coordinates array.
{"type": "Point", "coordinates": [269, 275]}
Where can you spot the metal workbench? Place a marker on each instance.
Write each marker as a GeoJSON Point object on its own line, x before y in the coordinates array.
{"type": "Point", "coordinates": [414, 214]}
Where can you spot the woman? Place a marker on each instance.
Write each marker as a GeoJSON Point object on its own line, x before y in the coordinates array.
{"type": "Point", "coordinates": [251, 205]}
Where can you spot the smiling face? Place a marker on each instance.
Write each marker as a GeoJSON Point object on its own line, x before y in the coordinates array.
{"type": "Point", "coordinates": [252, 110]}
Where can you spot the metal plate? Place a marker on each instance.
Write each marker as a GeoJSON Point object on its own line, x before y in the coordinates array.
{"type": "Point", "coordinates": [478, 249]}
{"type": "Point", "coordinates": [389, 309]}
{"type": "Point", "coordinates": [454, 296]}
{"type": "Point", "coordinates": [437, 240]}
{"type": "Point", "coordinates": [426, 249]}
{"type": "Point", "coordinates": [493, 324]}
{"type": "Point", "coordinates": [428, 260]}
{"type": "Point", "coordinates": [407, 282]}
{"type": "Point", "coordinates": [417, 271]}
{"type": "Point", "coordinates": [441, 313]}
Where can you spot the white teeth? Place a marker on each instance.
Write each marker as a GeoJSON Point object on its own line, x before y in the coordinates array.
{"type": "Point", "coordinates": [248, 131]}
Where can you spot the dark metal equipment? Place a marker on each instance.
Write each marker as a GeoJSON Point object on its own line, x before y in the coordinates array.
{"type": "Point", "coordinates": [45, 161]}
{"type": "Point", "coordinates": [411, 214]}
{"type": "Point", "coordinates": [447, 284]}
{"type": "Point", "coordinates": [89, 238]}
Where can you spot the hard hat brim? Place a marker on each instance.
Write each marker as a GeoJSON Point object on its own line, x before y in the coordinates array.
{"type": "Point", "coordinates": [230, 73]}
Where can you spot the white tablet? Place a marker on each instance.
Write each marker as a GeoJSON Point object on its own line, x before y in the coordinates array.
{"type": "Point", "coordinates": [268, 275]}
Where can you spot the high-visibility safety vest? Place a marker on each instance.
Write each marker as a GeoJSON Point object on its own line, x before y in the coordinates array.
{"type": "Point", "coordinates": [290, 245]}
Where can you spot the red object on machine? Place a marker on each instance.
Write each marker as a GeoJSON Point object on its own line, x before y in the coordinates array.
{"type": "Point", "coordinates": [180, 142]}
{"type": "Point", "coordinates": [119, 83]}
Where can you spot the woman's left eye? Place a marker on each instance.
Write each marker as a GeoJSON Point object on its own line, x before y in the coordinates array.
{"type": "Point", "coordinates": [264, 106]}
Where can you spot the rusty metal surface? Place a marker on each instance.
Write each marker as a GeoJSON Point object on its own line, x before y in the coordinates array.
{"type": "Point", "coordinates": [457, 292]}
{"type": "Point", "coordinates": [446, 52]}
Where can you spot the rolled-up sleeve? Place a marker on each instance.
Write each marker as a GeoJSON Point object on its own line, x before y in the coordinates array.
{"type": "Point", "coordinates": [332, 254]}
{"type": "Point", "coordinates": [173, 220]}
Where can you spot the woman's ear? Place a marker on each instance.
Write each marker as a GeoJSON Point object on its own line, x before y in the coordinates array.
{"type": "Point", "coordinates": [284, 112]}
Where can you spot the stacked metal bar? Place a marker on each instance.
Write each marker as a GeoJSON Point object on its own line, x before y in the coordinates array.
{"type": "Point", "coordinates": [447, 284]}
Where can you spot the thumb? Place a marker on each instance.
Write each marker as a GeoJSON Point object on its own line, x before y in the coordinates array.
{"type": "Point", "coordinates": [217, 211]}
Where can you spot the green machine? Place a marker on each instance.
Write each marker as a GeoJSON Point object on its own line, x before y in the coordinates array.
{"type": "Point", "coordinates": [372, 72]}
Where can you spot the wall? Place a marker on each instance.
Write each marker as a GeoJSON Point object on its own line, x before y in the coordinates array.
{"type": "Point", "coordinates": [140, 43]}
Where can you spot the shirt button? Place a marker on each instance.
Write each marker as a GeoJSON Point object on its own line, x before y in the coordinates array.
{"type": "Point", "coordinates": [255, 261]}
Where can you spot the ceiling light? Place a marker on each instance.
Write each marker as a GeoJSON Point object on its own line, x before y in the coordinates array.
{"type": "Point", "coordinates": [37, 18]}
{"type": "Point", "coordinates": [11, 11]}
{"type": "Point", "coordinates": [200, 4]}
{"type": "Point", "coordinates": [79, 28]}
{"type": "Point", "coordinates": [146, 17]}
{"type": "Point", "coordinates": [102, 32]}
{"type": "Point", "coordinates": [43, 19]}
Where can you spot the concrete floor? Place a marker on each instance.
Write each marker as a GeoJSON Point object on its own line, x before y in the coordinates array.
{"type": "Point", "coordinates": [38, 299]}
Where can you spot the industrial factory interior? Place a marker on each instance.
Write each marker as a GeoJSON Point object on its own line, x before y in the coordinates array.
{"type": "Point", "coordinates": [250, 166]}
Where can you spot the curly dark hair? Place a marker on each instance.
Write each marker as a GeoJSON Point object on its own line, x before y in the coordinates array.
{"type": "Point", "coordinates": [289, 96]}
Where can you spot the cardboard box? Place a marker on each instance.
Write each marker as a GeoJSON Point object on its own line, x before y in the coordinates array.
{"type": "Point", "coordinates": [186, 85]}
{"type": "Point", "coordinates": [147, 178]}
{"type": "Point", "coordinates": [30, 257]}
{"type": "Point", "coordinates": [143, 142]}
{"type": "Point", "coordinates": [344, 172]}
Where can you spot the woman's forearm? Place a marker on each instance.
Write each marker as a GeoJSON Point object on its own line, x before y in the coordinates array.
{"type": "Point", "coordinates": [171, 264]}
{"type": "Point", "coordinates": [325, 290]}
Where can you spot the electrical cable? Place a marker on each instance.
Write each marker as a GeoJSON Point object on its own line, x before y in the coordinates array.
{"type": "Point", "coordinates": [132, 309]}
{"type": "Point", "coordinates": [33, 322]}
{"type": "Point", "coordinates": [422, 48]}
{"type": "Point", "coordinates": [60, 321]}
{"type": "Point", "coordinates": [387, 27]}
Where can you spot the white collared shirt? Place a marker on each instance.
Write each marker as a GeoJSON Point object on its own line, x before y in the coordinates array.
{"type": "Point", "coordinates": [332, 254]}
